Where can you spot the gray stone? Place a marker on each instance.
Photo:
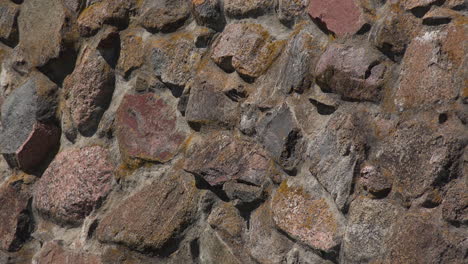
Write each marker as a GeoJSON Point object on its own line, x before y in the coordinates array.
{"type": "Point", "coordinates": [8, 22]}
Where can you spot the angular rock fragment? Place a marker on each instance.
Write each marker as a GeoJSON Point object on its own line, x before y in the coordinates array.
{"type": "Point", "coordinates": [221, 157]}
{"type": "Point", "coordinates": [132, 51]}
{"type": "Point", "coordinates": [375, 180]}
{"type": "Point", "coordinates": [154, 217]}
{"type": "Point", "coordinates": [455, 204]}
{"type": "Point", "coordinates": [303, 211]}
{"type": "Point", "coordinates": [8, 22]}
{"type": "Point", "coordinates": [164, 15]}
{"type": "Point", "coordinates": [355, 73]}
{"type": "Point", "coordinates": [54, 252]}
{"type": "Point", "coordinates": [338, 16]}
{"type": "Point", "coordinates": [17, 223]}
{"type": "Point", "coordinates": [290, 10]}
{"type": "Point", "coordinates": [209, 13]}
{"type": "Point", "coordinates": [88, 90]}
{"type": "Point", "coordinates": [251, 8]}
{"type": "Point", "coordinates": [29, 135]}
{"type": "Point", "coordinates": [75, 183]}
{"type": "Point", "coordinates": [213, 250]}
{"type": "Point", "coordinates": [246, 48]}
{"type": "Point", "coordinates": [148, 129]}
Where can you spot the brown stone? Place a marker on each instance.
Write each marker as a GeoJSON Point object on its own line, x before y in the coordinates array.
{"type": "Point", "coordinates": [209, 13]}
{"type": "Point", "coordinates": [290, 10]}
{"type": "Point", "coordinates": [148, 129]}
{"type": "Point", "coordinates": [53, 252]}
{"type": "Point", "coordinates": [252, 8]}
{"type": "Point", "coordinates": [132, 51]}
{"type": "Point", "coordinates": [375, 180]}
{"type": "Point", "coordinates": [246, 48]}
{"type": "Point", "coordinates": [75, 183]}
{"type": "Point", "coordinates": [339, 16]}
{"type": "Point", "coordinates": [154, 217]}
{"type": "Point", "coordinates": [8, 22]}
{"type": "Point", "coordinates": [164, 15]}
{"type": "Point", "coordinates": [455, 204]}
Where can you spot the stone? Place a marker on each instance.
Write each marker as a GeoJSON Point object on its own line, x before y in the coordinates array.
{"type": "Point", "coordinates": [369, 223]}
{"type": "Point", "coordinates": [279, 133]}
{"type": "Point", "coordinates": [213, 250]}
{"type": "Point", "coordinates": [435, 84]}
{"type": "Point", "coordinates": [221, 157]}
{"type": "Point", "coordinates": [89, 88]}
{"type": "Point", "coordinates": [375, 180]}
{"type": "Point", "coordinates": [132, 54]}
{"type": "Point", "coordinates": [338, 16]}
{"type": "Point", "coordinates": [252, 52]}
{"type": "Point", "coordinates": [413, 4]}
{"type": "Point", "coordinates": [54, 252]}
{"type": "Point", "coordinates": [300, 254]}
{"type": "Point", "coordinates": [106, 12]}
{"type": "Point", "coordinates": [17, 222]}
{"type": "Point", "coordinates": [304, 212]}
{"type": "Point", "coordinates": [148, 128]}
{"type": "Point", "coordinates": [417, 238]}
{"type": "Point", "coordinates": [76, 182]}
{"type": "Point", "coordinates": [250, 8]}
{"type": "Point", "coordinates": [154, 217]}
{"type": "Point", "coordinates": [439, 16]}
{"type": "Point", "coordinates": [353, 72]}
{"type": "Point", "coordinates": [455, 204]}
{"type": "Point", "coordinates": [8, 23]}
{"type": "Point", "coordinates": [290, 10]}
{"type": "Point", "coordinates": [47, 41]}
{"type": "Point", "coordinates": [209, 13]}
{"type": "Point", "coordinates": [164, 15]}
{"type": "Point", "coordinates": [29, 135]}
{"type": "Point", "coordinates": [244, 193]}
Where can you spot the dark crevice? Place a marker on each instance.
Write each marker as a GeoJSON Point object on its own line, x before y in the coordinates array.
{"type": "Point", "coordinates": [109, 48]}
{"type": "Point", "coordinates": [369, 69]}
{"type": "Point", "coordinates": [322, 26]}
{"type": "Point", "coordinates": [364, 29]}
{"type": "Point", "coordinates": [443, 118]}
{"type": "Point", "coordinates": [176, 90]}
{"type": "Point", "coordinates": [323, 109]}
{"type": "Point", "coordinates": [92, 229]}
{"type": "Point", "coordinates": [58, 68]}
{"type": "Point", "coordinates": [246, 78]}
{"type": "Point", "coordinates": [195, 126]}
{"type": "Point", "coordinates": [235, 95]}
{"type": "Point", "coordinates": [195, 249]}
{"type": "Point", "coordinates": [387, 50]}
{"type": "Point", "coordinates": [420, 11]}
{"type": "Point", "coordinates": [202, 184]}
{"type": "Point", "coordinates": [436, 21]}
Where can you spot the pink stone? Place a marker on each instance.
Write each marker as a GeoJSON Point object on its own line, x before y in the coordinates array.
{"type": "Point", "coordinates": [147, 128]}
{"type": "Point", "coordinates": [74, 184]}
{"type": "Point", "coordinates": [340, 16]}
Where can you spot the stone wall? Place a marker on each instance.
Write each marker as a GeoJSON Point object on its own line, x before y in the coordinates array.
{"type": "Point", "coordinates": [233, 131]}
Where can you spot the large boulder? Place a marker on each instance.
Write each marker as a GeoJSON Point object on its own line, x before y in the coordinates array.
{"type": "Point", "coordinates": [74, 184]}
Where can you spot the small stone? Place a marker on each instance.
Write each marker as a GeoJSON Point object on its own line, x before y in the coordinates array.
{"type": "Point", "coordinates": [164, 15]}
{"type": "Point", "coordinates": [132, 51]}
{"type": "Point", "coordinates": [148, 129]}
{"type": "Point", "coordinates": [213, 250]}
{"type": "Point", "coordinates": [54, 252]}
{"type": "Point", "coordinates": [375, 181]}
{"type": "Point", "coordinates": [153, 217]}
{"type": "Point", "coordinates": [301, 254]}
{"type": "Point", "coordinates": [339, 16]}
{"type": "Point", "coordinates": [221, 157]}
{"type": "Point", "coordinates": [209, 13]}
{"type": "Point", "coordinates": [245, 193]}
{"type": "Point", "coordinates": [250, 8]}
{"type": "Point", "coordinates": [355, 73]}
{"type": "Point", "coordinates": [110, 12]}
{"type": "Point", "coordinates": [17, 223]}
{"type": "Point", "coordinates": [455, 204]}
{"type": "Point", "coordinates": [75, 183]}
{"type": "Point", "coordinates": [304, 213]}
{"type": "Point", "coordinates": [246, 48]}
{"type": "Point", "coordinates": [8, 22]}
{"type": "Point", "coordinates": [290, 10]}
{"type": "Point", "coordinates": [88, 90]}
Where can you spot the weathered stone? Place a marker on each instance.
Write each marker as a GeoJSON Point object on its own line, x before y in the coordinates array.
{"type": "Point", "coordinates": [110, 12]}
{"type": "Point", "coordinates": [455, 204]}
{"type": "Point", "coordinates": [246, 48]}
{"type": "Point", "coordinates": [8, 22]}
{"type": "Point", "coordinates": [290, 10]}
{"type": "Point", "coordinates": [279, 133]}
{"type": "Point", "coordinates": [221, 157]}
{"type": "Point", "coordinates": [209, 13]}
{"type": "Point", "coordinates": [375, 180]}
{"type": "Point", "coordinates": [75, 183]}
{"type": "Point", "coordinates": [154, 217]}
{"type": "Point", "coordinates": [28, 136]}
{"type": "Point", "coordinates": [302, 210]}
{"type": "Point", "coordinates": [208, 103]}
{"type": "Point", "coordinates": [132, 51]}
{"type": "Point", "coordinates": [435, 70]}
{"type": "Point", "coordinates": [148, 129]}
{"type": "Point", "coordinates": [17, 223]}
{"type": "Point", "coordinates": [439, 16]}
{"type": "Point", "coordinates": [164, 15]}
{"type": "Point", "coordinates": [54, 252]}
{"type": "Point", "coordinates": [369, 223]}
{"type": "Point", "coordinates": [41, 42]}
{"type": "Point", "coordinates": [74, 5]}
{"type": "Point", "coordinates": [250, 8]}
{"type": "Point", "coordinates": [301, 254]}
{"type": "Point", "coordinates": [417, 238]}
{"type": "Point", "coordinates": [214, 251]}
{"type": "Point", "coordinates": [412, 4]}
{"type": "Point", "coordinates": [355, 73]}
{"type": "Point", "coordinates": [88, 90]}
{"type": "Point", "coordinates": [392, 33]}
{"type": "Point", "coordinates": [338, 16]}
{"type": "Point", "coordinates": [242, 192]}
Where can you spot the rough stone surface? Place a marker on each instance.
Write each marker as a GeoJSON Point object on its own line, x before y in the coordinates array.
{"type": "Point", "coordinates": [209, 13]}
{"type": "Point", "coordinates": [8, 22]}
{"type": "Point", "coordinates": [289, 10]}
{"type": "Point", "coordinates": [147, 128]}
{"type": "Point", "coordinates": [250, 8]}
{"type": "Point", "coordinates": [53, 252]}
{"type": "Point", "coordinates": [455, 204]}
{"type": "Point", "coordinates": [75, 183]}
{"type": "Point", "coordinates": [339, 16]}
{"type": "Point", "coordinates": [154, 217]}
{"type": "Point", "coordinates": [164, 15]}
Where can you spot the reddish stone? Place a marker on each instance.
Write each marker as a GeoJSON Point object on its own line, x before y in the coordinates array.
{"type": "Point", "coordinates": [15, 223]}
{"type": "Point", "coordinates": [339, 16]}
{"type": "Point", "coordinates": [147, 128]}
{"type": "Point", "coordinates": [74, 184]}
{"type": "Point", "coordinates": [53, 252]}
